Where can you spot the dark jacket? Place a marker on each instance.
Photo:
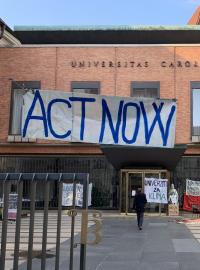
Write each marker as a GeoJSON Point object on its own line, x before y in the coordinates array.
{"type": "Point", "coordinates": [139, 202]}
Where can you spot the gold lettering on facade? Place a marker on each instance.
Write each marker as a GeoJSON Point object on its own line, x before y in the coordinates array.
{"type": "Point", "coordinates": [163, 64]}
{"type": "Point", "coordinates": [118, 64]}
{"type": "Point", "coordinates": [132, 64]}
{"type": "Point", "coordinates": [73, 64]}
{"type": "Point", "coordinates": [111, 64]}
{"type": "Point", "coordinates": [96, 63]}
{"type": "Point", "coordinates": [82, 64]}
{"type": "Point", "coordinates": [179, 64]}
{"type": "Point", "coordinates": [187, 64]}
{"type": "Point", "coordinates": [171, 65]}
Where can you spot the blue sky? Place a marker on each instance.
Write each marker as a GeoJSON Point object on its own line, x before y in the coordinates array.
{"type": "Point", "coordinates": [97, 12]}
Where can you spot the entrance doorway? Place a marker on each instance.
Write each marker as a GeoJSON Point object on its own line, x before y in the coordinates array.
{"type": "Point", "coordinates": [130, 181]}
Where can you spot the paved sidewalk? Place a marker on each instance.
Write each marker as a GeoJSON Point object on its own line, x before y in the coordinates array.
{"type": "Point", "coordinates": [163, 244]}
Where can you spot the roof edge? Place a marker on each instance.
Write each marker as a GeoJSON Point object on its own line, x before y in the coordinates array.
{"type": "Point", "coordinates": [105, 28]}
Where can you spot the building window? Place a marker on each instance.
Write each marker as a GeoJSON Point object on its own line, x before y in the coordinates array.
{"type": "Point", "coordinates": [19, 88]}
{"type": "Point", "coordinates": [195, 105]}
{"type": "Point", "coordinates": [145, 89]}
{"type": "Point", "coordinates": [86, 87]}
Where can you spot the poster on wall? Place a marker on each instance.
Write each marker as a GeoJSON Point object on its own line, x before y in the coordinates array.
{"type": "Point", "coordinates": [192, 187]}
{"type": "Point", "coordinates": [12, 206]}
{"type": "Point", "coordinates": [156, 190]}
{"type": "Point", "coordinates": [53, 115]}
{"type": "Point", "coordinates": [67, 195]}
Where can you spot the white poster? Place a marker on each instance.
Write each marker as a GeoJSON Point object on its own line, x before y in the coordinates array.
{"type": "Point", "coordinates": [133, 193]}
{"type": "Point", "coordinates": [67, 195]}
{"type": "Point", "coordinates": [99, 119]}
{"type": "Point", "coordinates": [79, 195]}
{"type": "Point", "coordinates": [156, 190]}
{"type": "Point", "coordinates": [192, 187]}
{"type": "Point", "coordinates": [12, 206]}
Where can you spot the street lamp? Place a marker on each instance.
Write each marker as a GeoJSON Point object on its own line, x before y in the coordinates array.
{"type": "Point", "coordinates": [2, 28]}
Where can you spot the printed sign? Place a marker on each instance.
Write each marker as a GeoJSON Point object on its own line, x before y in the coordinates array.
{"type": "Point", "coordinates": [133, 193]}
{"type": "Point", "coordinates": [67, 195]}
{"type": "Point", "coordinates": [192, 187]}
{"type": "Point", "coordinates": [173, 210]}
{"type": "Point", "coordinates": [99, 119]}
{"type": "Point", "coordinates": [156, 190]}
{"type": "Point", "coordinates": [12, 206]}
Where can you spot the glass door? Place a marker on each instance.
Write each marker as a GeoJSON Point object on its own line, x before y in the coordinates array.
{"type": "Point", "coordinates": [134, 182]}
{"type": "Point", "coordinates": [123, 184]}
{"type": "Point", "coordinates": [133, 179]}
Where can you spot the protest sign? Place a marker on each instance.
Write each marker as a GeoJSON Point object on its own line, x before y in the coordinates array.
{"type": "Point", "coordinates": [12, 206]}
{"type": "Point", "coordinates": [67, 195]}
{"type": "Point", "coordinates": [192, 187]}
{"type": "Point", "coordinates": [156, 190]}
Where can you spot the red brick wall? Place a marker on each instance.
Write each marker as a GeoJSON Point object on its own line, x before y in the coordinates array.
{"type": "Point", "coordinates": [52, 66]}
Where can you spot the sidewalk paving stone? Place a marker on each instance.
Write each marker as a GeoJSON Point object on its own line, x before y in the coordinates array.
{"type": "Point", "coordinates": [163, 244]}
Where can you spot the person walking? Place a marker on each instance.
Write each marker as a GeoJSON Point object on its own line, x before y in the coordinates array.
{"type": "Point", "coordinates": [139, 206]}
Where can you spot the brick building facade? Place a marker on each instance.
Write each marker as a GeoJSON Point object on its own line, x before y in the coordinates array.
{"type": "Point", "coordinates": [159, 62]}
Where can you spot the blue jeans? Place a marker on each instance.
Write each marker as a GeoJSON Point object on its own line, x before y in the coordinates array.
{"type": "Point", "coordinates": [140, 217]}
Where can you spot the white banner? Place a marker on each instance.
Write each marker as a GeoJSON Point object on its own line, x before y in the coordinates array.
{"type": "Point", "coordinates": [98, 119]}
{"type": "Point", "coordinates": [156, 190]}
{"type": "Point", "coordinates": [67, 195]}
{"type": "Point", "coordinates": [192, 187]}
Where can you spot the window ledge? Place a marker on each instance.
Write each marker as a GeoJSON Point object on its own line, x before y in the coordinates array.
{"type": "Point", "coordinates": [19, 139]}
{"type": "Point", "coordinates": [196, 138]}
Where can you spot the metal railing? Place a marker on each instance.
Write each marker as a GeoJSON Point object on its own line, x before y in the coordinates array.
{"type": "Point", "coordinates": [16, 182]}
